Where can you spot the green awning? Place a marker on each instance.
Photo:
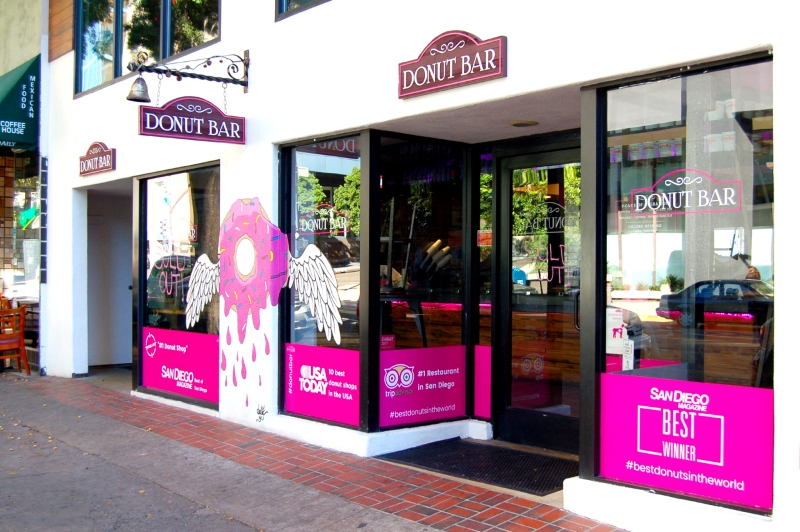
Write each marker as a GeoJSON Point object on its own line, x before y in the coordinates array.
{"type": "Point", "coordinates": [19, 106]}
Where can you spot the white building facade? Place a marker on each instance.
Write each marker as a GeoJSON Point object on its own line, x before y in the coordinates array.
{"type": "Point", "coordinates": [553, 225]}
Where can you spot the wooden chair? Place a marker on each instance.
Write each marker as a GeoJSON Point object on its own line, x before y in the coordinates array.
{"type": "Point", "coordinates": [12, 337]}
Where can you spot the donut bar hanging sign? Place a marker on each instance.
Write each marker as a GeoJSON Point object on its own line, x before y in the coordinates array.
{"type": "Point", "coordinates": [191, 119]}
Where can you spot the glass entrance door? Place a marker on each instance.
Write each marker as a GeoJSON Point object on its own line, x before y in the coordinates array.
{"type": "Point", "coordinates": [538, 279]}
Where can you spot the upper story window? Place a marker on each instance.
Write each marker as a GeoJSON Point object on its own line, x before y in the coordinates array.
{"type": "Point", "coordinates": [287, 8]}
{"type": "Point", "coordinates": [112, 31]}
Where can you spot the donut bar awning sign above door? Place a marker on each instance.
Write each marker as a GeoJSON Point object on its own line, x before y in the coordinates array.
{"type": "Point", "coordinates": [453, 59]}
{"type": "Point", "coordinates": [191, 119]}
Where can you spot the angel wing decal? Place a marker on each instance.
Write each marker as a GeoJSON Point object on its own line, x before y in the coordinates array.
{"type": "Point", "coordinates": [254, 265]}
{"type": "Point", "coordinates": [316, 285]}
{"type": "Point", "coordinates": [203, 284]}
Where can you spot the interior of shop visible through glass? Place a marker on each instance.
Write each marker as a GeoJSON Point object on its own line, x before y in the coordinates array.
{"type": "Point", "coordinates": [690, 272]}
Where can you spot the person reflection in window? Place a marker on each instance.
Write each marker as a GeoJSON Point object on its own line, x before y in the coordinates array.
{"type": "Point", "coordinates": [753, 273]}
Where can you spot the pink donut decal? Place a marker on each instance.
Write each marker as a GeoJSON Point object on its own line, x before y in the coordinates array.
{"type": "Point", "coordinates": [255, 264]}
{"type": "Point", "coordinates": [246, 292]}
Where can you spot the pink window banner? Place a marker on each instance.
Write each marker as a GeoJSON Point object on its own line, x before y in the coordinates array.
{"type": "Point", "coordinates": [483, 381]}
{"type": "Point", "coordinates": [422, 385]}
{"type": "Point", "coordinates": [322, 383]}
{"type": "Point", "coordinates": [712, 441]}
{"type": "Point", "coordinates": [180, 362]}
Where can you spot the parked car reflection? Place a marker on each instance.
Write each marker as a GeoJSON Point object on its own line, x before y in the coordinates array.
{"type": "Point", "coordinates": [744, 301]}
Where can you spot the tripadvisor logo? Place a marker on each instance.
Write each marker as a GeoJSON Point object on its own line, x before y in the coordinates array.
{"type": "Point", "coordinates": [398, 376]}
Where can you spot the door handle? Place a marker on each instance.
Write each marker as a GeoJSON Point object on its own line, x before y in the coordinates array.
{"type": "Point", "coordinates": [577, 308]}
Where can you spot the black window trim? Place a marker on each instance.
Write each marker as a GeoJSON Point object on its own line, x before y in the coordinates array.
{"type": "Point", "coordinates": [286, 14]}
{"type": "Point", "coordinates": [120, 70]}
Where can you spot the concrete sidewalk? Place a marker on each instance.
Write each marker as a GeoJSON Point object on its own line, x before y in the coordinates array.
{"type": "Point", "coordinates": [82, 457]}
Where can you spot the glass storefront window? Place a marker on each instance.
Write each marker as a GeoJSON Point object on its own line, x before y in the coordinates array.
{"type": "Point", "coordinates": [182, 225]}
{"type": "Point", "coordinates": [485, 247]}
{"type": "Point", "coordinates": [545, 275]}
{"type": "Point", "coordinates": [180, 350]}
{"type": "Point", "coordinates": [421, 250]}
{"type": "Point", "coordinates": [691, 225]}
{"type": "Point", "coordinates": [324, 344]}
{"type": "Point", "coordinates": [20, 232]}
{"type": "Point", "coordinates": [423, 358]}
{"type": "Point", "coordinates": [686, 398]}
{"type": "Point", "coordinates": [326, 200]}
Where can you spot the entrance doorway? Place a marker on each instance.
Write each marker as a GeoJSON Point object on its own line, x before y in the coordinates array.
{"type": "Point", "coordinates": [536, 335]}
{"type": "Point", "coordinates": [109, 226]}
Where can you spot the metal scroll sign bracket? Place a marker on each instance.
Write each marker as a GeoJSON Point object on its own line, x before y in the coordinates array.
{"type": "Point", "coordinates": [236, 69]}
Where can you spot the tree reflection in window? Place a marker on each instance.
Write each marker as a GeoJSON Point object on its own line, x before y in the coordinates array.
{"type": "Point", "coordinates": [193, 23]}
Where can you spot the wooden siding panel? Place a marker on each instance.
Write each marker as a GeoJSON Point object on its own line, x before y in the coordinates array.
{"type": "Point", "coordinates": [60, 28]}
{"type": "Point", "coordinates": [64, 12]}
{"type": "Point", "coordinates": [57, 50]}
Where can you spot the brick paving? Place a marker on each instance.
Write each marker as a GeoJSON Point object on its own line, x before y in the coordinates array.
{"type": "Point", "coordinates": [426, 498]}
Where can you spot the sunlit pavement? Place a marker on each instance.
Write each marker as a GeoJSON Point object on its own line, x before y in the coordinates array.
{"type": "Point", "coordinates": [193, 471]}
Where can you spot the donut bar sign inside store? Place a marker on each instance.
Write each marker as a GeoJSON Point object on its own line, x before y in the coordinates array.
{"type": "Point", "coordinates": [191, 119]}
{"type": "Point", "coordinates": [452, 59]}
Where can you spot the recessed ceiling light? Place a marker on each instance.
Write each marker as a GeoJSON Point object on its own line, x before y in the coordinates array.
{"type": "Point", "coordinates": [523, 123]}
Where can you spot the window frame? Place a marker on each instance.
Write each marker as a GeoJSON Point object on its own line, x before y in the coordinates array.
{"type": "Point", "coordinates": [165, 43]}
{"type": "Point", "coordinates": [370, 311]}
{"type": "Point", "coordinates": [286, 14]}
{"type": "Point", "coordinates": [139, 279]}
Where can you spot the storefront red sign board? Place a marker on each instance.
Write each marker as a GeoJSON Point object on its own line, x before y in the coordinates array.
{"type": "Point", "coordinates": [191, 119]}
{"type": "Point", "coordinates": [98, 158]}
{"type": "Point", "coordinates": [453, 59]}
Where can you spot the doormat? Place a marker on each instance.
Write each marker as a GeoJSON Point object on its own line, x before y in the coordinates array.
{"type": "Point", "coordinates": [517, 470]}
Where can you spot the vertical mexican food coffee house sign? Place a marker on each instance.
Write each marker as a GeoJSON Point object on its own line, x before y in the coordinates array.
{"type": "Point", "coordinates": [191, 119]}
{"type": "Point", "coordinates": [453, 59]}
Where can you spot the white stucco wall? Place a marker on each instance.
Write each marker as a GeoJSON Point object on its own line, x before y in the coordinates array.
{"type": "Point", "coordinates": [333, 69]}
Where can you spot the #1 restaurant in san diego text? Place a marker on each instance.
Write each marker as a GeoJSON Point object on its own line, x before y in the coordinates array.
{"type": "Point", "coordinates": [456, 232]}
